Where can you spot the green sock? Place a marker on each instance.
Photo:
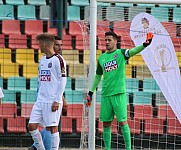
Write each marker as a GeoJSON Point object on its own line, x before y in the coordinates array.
{"type": "Point", "coordinates": [126, 135]}
{"type": "Point", "coordinates": [107, 138]}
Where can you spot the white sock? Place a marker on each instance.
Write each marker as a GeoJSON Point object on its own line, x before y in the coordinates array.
{"type": "Point", "coordinates": [55, 141]}
{"type": "Point", "coordinates": [36, 136]}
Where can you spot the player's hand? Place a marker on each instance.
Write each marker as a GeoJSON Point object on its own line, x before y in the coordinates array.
{"type": "Point", "coordinates": [88, 99]}
{"type": "Point", "coordinates": [55, 106]}
{"type": "Point", "coordinates": [149, 37]}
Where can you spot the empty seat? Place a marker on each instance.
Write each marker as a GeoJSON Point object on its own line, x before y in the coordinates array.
{"type": "Point", "coordinates": [66, 124]}
{"type": "Point", "coordinates": [8, 110]}
{"type": "Point", "coordinates": [79, 126]}
{"type": "Point", "coordinates": [80, 2]}
{"type": "Point", "coordinates": [154, 126]}
{"type": "Point", "coordinates": [1, 125]}
{"type": "Point", "coordinates": [173, 127]}
{"type": "Point", "coordinates": [135, 60]}
{"type": "Point", "coordinates": [133, 11]}
{"type": "Point", "coordinates": [142, 97]}
{"type": "Point", "coordinates": [143, 112]}
{"type": "Point", "coordinates": [9, 96]}
{"type": "Point", "coordinates": [160, 99]}
{"type": "Point", "coordinates": [150, 85]}
{"type": "Point", "coordinates": [30, 70]}
{"type": "Point", "coordinates": [25, 56]}
{"type": "Point", "coordinates": [15, 2]}
{"type": "Point", "coordinates": [74, 29]}
{"type": "Point", "coordinates": [16, 125]}
{"type": "Point", "coordinates": [6, 12]}
{"type": "Point", "coordinates": [114, 127]}
{"type": "Point", "coordinates": [142, 71]}
{"type": "Point", "coordinates": [44, 12]}
{"type": "Point", "coordinates": [76, 70]}
{"type": "Point", "coordinates": [5, 55]}
{"type": "Point", "coordinates": [74, 96]}
{"type": "Point", "coordinates": [81, 42]}
{"type": "Point", "coordinates": [165, 111]}
{"type": "Point", "coordinates": [26, 110]}
{"type": "Point", "coordinates": [122, 28]}
{"type": "Point", "coordinates": [28, 96]}
{"type": "Point", "coordinates": [68, 84]}
{"type": "Point", "coordinates": [33, 27]}
{"type": "Point", "coordinates": [26, 12]}
{"type": "Point", "coordinates": [74, 110]}
{"type": "Point", "coordinates": [17, 41]}
{"type": "Point", "coordinates": [115, 13]}
{"type": "Point", "coordinates": [71, 56]}
{"type": "Point", "coordinates": [37, 2]}
{"type": "Point", "coordinates": [132, 84]}
{"type": "Point", "coordinates": [87, 12]}
{"type": "Point", "coordinates": [160, 13]}
{"type": "Point", "coordinates": [16, 83]}
{"type": "Point", "coordinates": [67, 42]}
{"type": "Point", "coordinates": [101, 43]}
{"type": "Point", "coordinates": [177, 15]}
{"type": "Point", "coordinates": [1, 82]}
{"type": "Point", "coordinates": [34, 83]}
{"type": "Point", "coordinates": [134, 125]}
{"type": "Point", "coordinates": [171, 28]}
{"type": "Point", "coordinates": [102, 27]}
{"type": "Point", "coordinates": [9, 70]}
{"type": "Point", "coordinates": [80, 83]}
{"type": "Point", "coordinates": [73, 13]}
{"type": "Point", "coordinates": [51, 30]}
{"type": "Point", "coordinates": [2, 41]}
{"type": "Point", "coordinates": [11, 27]}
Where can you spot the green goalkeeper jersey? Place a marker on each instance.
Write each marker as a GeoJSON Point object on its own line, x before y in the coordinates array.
{"type": "Point", "coordinates": [112, 67]}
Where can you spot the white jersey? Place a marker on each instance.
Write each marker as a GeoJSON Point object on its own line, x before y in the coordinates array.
{"type": "Point", "coordinates": [51, 79]}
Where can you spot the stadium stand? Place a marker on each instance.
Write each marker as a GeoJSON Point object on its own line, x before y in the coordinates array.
{"type": "Point", "coordinates": [134, 9]}
{"type": "Point", "coordinates": [16, 125]}
{"type": "Point", "coordinates": [75, 97]}
{"type": "Point", "coordinates": [17, 41]}
{"type": "Point", "coordinates": [1, 82]}
{"type": "Point", "coordinates": [68, 86]}
{"type": "Point", "coordinates": [6, 12]}
{"type": "Point", "coordinates": [74, 110]}
{"type": "Point", "coordinates": [177, 15]}
{"type": "Point", "coordinates": [5, 55]}
{"type": "Point", "coordinates": [30, 70]}
{"type": "Point", "coordinates": [150, 85]}
{"type": "Point", "coordinates": [33, 83]}
{"type": "Point", "coordinates": [11, 27]}
{"type": "Point", "coordinates": [142, 98]}
{"type": "Point", "coordinates": [143, 112]}
{"type": "Point", "coordinates": [113, 13]}
{"type": "Point", "coordinates": [15, 2]}
{"type": "Point", "coordinates": [132, 85]}
{"type": "Point", "coordinates": [135, 127]}
{"type": "Point", "coordinates": [76, 70]}
{"type": "Point", "coordinates": [26, 12]}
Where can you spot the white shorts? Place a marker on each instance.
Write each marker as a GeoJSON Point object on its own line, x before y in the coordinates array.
{"type": "Point", "coordinates": [42, 113]}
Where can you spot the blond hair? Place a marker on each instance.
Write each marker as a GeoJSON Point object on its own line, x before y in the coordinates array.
{"type": "Point", "coordinates": [46, 38]}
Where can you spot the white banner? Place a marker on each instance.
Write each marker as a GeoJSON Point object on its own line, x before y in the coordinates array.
{"type": "Point", "coordinates": [160, 58]}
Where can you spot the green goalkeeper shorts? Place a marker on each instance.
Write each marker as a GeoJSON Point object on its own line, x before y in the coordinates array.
{"type": "Point", "coordinates": [113, 105]}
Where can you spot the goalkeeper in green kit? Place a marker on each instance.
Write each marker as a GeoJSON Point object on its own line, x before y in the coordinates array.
{"type": "Point", "coordinates": [111, 65]}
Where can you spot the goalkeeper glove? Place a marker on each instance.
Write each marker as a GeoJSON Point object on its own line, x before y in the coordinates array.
{"type": "Point", "coordinates": [149, 37]}
{"type": "Point", "coordinates": [89, 99]}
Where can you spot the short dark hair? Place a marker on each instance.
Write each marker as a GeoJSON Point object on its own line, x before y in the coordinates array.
{"type": "Point", "coordinates": [112, 34]}
{"type": "Point", "coordinates": [57, 38]}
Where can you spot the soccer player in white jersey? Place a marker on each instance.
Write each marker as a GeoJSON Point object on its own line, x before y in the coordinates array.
{"type": "Point", "coordinates": [46, 135]}
{"type": "Point", "coordinates": [52, 80]}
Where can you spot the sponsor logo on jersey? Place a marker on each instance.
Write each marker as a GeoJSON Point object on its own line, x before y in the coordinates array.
{"type": "Point", "coordinates": [111, 65]}
{"type": "Point", "coordinates": [45, 75]}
